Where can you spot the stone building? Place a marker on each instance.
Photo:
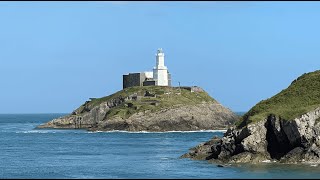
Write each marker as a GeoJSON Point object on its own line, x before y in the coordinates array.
{"type": "Point", "coordinates": [160, 75]}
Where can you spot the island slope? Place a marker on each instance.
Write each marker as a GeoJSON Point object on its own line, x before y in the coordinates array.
{"type": "Point", "coordinates": [149, 108]}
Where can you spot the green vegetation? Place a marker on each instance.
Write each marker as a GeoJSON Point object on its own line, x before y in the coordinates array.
{"type": "Point", "coordinates": [302, 96]}
{"type": "Point", "coordinates": [165, 97]}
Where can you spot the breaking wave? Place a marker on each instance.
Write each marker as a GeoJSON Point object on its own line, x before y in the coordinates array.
{"type": "Point", "coordinates": [153, 132]}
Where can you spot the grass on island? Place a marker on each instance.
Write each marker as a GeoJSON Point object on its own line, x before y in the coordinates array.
{"type": "Point", "coordinates": [166, 97]}
{"type": "Point", "coordinates": [302, 96]}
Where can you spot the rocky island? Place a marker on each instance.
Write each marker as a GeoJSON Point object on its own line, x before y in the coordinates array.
{"type": "Point", "coordinates": [148, 102]}
{"type": "Point", "coordinates": [284, 128]}
{"type": "Point", "coordinates": [149, 108]}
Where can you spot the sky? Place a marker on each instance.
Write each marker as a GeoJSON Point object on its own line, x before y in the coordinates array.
{"type": "Point", "coordinates": [54, 56]}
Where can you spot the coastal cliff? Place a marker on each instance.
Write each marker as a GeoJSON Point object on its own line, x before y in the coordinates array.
{"type": "Point", "coordinates": [284, 129]}
{"type": "Point", "coordinates": [149, 108]}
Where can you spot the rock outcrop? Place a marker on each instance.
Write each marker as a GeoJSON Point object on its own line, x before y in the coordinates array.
{"type": "Point", "coordinates": [149, 109]}
{"type": "Point", "coordinates": [271, 140]}
{"type": "Point", "coordinates": [284, 128]}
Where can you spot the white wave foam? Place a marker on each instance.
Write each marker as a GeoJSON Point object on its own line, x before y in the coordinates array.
{"type": "Point", "coordinates": [114, 131]}
{"type": "Point", "coordinates": [48, 131]}
{"type": "Point", "coordinates": [35, 131]}
{"type": "Point", "coordinates": [220, 130]}
{"type": "Point", "coordinates": [266, 161]}
{"type": "Point", "coordinates": [121, 131]}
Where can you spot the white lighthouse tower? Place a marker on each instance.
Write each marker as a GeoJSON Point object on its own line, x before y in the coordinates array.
{"type": "Point", "coordinates": [160, 72]}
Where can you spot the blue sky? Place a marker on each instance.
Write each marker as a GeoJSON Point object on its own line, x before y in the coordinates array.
{"type": "Point", "coordinates": [56, 55]}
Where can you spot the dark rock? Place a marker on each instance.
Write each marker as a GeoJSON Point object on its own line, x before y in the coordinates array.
{"type": "Point", "coordinates": [278, 143]}
{"type": "Point", "coordinates": [295, 155]}
{"type": "Point", "coordinates": [148, 94]}
{"type": "Point", "coordinates": [130, 105]}
{"type": "Point", "coordinates": [242, 134]}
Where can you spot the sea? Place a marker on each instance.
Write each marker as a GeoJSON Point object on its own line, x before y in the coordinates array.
{"type": "Point", "coordinates": [28, 152]}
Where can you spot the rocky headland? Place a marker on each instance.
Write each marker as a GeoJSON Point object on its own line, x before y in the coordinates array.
{"type": "Point", "coordinates": [283, 129]}
{"type": "Point", "coordinates": [149, 108]}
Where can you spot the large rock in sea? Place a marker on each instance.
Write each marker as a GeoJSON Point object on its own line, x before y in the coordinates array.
{"type": "Point", "coordinates": [284, 129]}
{"type": "Point", "coordinates": [149, 108]}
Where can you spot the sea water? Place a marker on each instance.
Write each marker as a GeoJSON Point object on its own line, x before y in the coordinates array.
{"type": "Point", "coordinates": [26, 152]}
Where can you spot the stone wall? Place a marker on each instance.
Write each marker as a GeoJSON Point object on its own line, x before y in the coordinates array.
{"type": "Point", "coordinates": [133, 79]}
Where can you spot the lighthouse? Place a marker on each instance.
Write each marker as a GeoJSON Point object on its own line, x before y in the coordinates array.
{"type": "Point", "coordinates": [160, 72]}
{"type": "Point", "coordinates": [160, 75]}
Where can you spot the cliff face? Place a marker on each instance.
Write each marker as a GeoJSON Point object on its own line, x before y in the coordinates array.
{"type": "Point", "coordinates": [149, 109]}
{"type": "Point", "coordinates": [276, 137]}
